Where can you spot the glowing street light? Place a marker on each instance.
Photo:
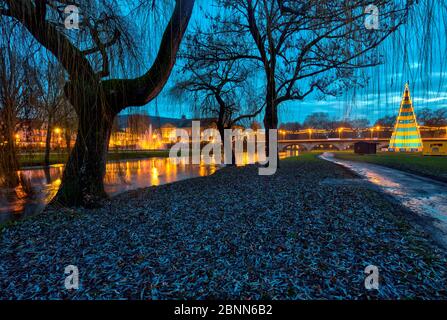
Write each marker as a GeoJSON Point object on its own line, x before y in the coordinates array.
{"type": "Point", "coordinates": [340, 131]}
{"type": "Point", "coordinates": [283, 133]}
{"type": "Point", "coordinates": [58, 131]}
{"type": "Point", "coordinates": [310, 134]}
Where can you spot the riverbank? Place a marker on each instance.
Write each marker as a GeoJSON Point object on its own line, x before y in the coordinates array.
{"type": "Point", "coordinates": [430, 167]}
{"type": "Point", "coordinates": [232, 235]}
{"type": "Point", "coordinates": [37, 159]}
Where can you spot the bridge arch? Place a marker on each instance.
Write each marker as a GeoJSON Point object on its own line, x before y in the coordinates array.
{"type": "Point", "coordinates": [326, 146]}
{"type": "Point", "coordinates": [293, 146]}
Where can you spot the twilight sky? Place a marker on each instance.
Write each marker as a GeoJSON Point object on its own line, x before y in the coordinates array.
{"type": "Point", "coordinates": [415, 54]}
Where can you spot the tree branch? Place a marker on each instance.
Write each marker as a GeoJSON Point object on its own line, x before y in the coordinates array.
{"type": "Point", "coordinates": [140, 91]}
{"type": "Point", "coordinates": [71, 58]}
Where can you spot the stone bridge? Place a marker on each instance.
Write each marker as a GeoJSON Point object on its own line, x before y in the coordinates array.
{"type": "Point", "coordinates": [336, 144]}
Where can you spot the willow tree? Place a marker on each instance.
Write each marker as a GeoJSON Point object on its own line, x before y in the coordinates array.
{"type": "Point", "coordinates": [305, 47]}
{"type": "Point", "coordinates": [94, 94]}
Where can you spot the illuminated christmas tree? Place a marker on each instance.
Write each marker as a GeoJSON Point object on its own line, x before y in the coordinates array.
{"type": "Point", "coordinates": [406, 136]}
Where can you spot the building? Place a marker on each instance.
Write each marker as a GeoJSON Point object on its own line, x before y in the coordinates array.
{"type": "Point", "coordinates": [32, 133]}
{"type": "Point", "coordinates": [365, 147]}
{"type": "Point", "coordinates": [142, 132]}
{"type": "Point", "coordinates": [129, 132]}
{"type": "Point", "coordinates": [435, 148]}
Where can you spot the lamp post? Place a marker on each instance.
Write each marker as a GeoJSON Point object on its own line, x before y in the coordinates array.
{"type": "Point", "coordinates": [378, 132]}
{"type": "Point", "coordinates": [372, 133]}
{"type": "Point", "coordinates": [283, 133]}
{"type": "Point", "coordinates": [310, 134]}
{"type": "Point", "coordinates": [340, 131]}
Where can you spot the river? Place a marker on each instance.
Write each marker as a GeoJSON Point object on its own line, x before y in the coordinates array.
{"type": "Point", "coordinates": [42, 184]}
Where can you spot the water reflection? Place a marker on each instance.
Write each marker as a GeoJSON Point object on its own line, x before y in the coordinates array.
{"type": "Point", "coordinates": [289, 153]}
{"type": "Point", "coordinates": [423, 196]}
{"type": "Point", "coordinates": [40, 185]}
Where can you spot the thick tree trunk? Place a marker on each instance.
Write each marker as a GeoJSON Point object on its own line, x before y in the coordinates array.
{"type": "Point", "coordinates": [48, 144]}
{"type": "Point", "coordinates": [82, 181]}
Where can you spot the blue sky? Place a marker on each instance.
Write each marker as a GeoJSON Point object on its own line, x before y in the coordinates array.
{"type": "Point", "coordinates": [415, 54]}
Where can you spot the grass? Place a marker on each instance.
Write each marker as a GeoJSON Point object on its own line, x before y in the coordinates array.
{"type": "Point", "coordinates": [432, 167]}
{"type": "Point", "coordinates": [37, 159]}
{"type": "Point", "coordinates": [305, 156]}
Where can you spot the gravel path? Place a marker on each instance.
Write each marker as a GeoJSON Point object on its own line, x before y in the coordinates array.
{"type": "Point", "coordinates": [231, 235]}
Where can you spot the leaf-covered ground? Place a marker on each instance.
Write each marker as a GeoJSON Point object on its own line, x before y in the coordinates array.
{"type": "Point", "coordinates": [231, 235]}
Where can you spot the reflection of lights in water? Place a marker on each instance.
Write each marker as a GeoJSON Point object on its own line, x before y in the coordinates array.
{"type": "Point", "coordinates": [120, 176]}
{"type": "Point", "coordinates": [154, 176]}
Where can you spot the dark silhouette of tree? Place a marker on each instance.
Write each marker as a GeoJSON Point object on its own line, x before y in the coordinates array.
{"type": "Point", "coordinates": [222, 88]}
{"type": "Point", "coordinates": [387, 121]}
{"type": "Point", "coordinates": [51, 102]}
{"type": "Point", "coordinates": [89, 60]}
{"type": "Point", "coordinates": [317, 120]}
{"type": "Point", "coordinates": [359, 123]}
{"type": "Point", "coordinates": [15, 99]}
{"type": "Point", "coordinates": [432, 118]}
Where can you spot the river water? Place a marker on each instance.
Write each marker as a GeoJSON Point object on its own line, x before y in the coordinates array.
{"type": "Point", "coordinates": [425, 197]}
{"type": "Point", "coordinates": [42, 184]}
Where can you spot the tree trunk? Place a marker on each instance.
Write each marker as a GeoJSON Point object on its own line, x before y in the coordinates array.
{"type": "Point", "coordinates": [67, 139]}
{"type": "Point", "coordinates": [9, 164]}
{"type": "Point", "coordinates": [48, 144]}
{"type": "Point", "coordinates": [82, 181]}
{"type": "Point", "coordinates": [221, 128]}
{"type": "Point", "coordinates": [271, 111]}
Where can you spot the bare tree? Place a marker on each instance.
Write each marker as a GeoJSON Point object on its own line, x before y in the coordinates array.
{"type": "Point", "coordinates": [89, 57]}
{"type": "Point", "coordinates": [221, 87]}
{"type": "Point", "coordinates": [51, 100]}
{"type": "Point", "coordinates": [304, 47]}
{"type": "Point", "coordinates": [15, 97]}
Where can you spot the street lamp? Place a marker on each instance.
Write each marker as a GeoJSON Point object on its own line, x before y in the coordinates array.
{"type": "Point", "coordinates": [58, 132]}
{"type": "Point", "coordinates": [340, 130]}
{"type": "Point", "coordinates": [283, 133]}
{"type": "Point", "coordinates": [372, 133]}
{"type": "Point", "coordinates": [310, 134]}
